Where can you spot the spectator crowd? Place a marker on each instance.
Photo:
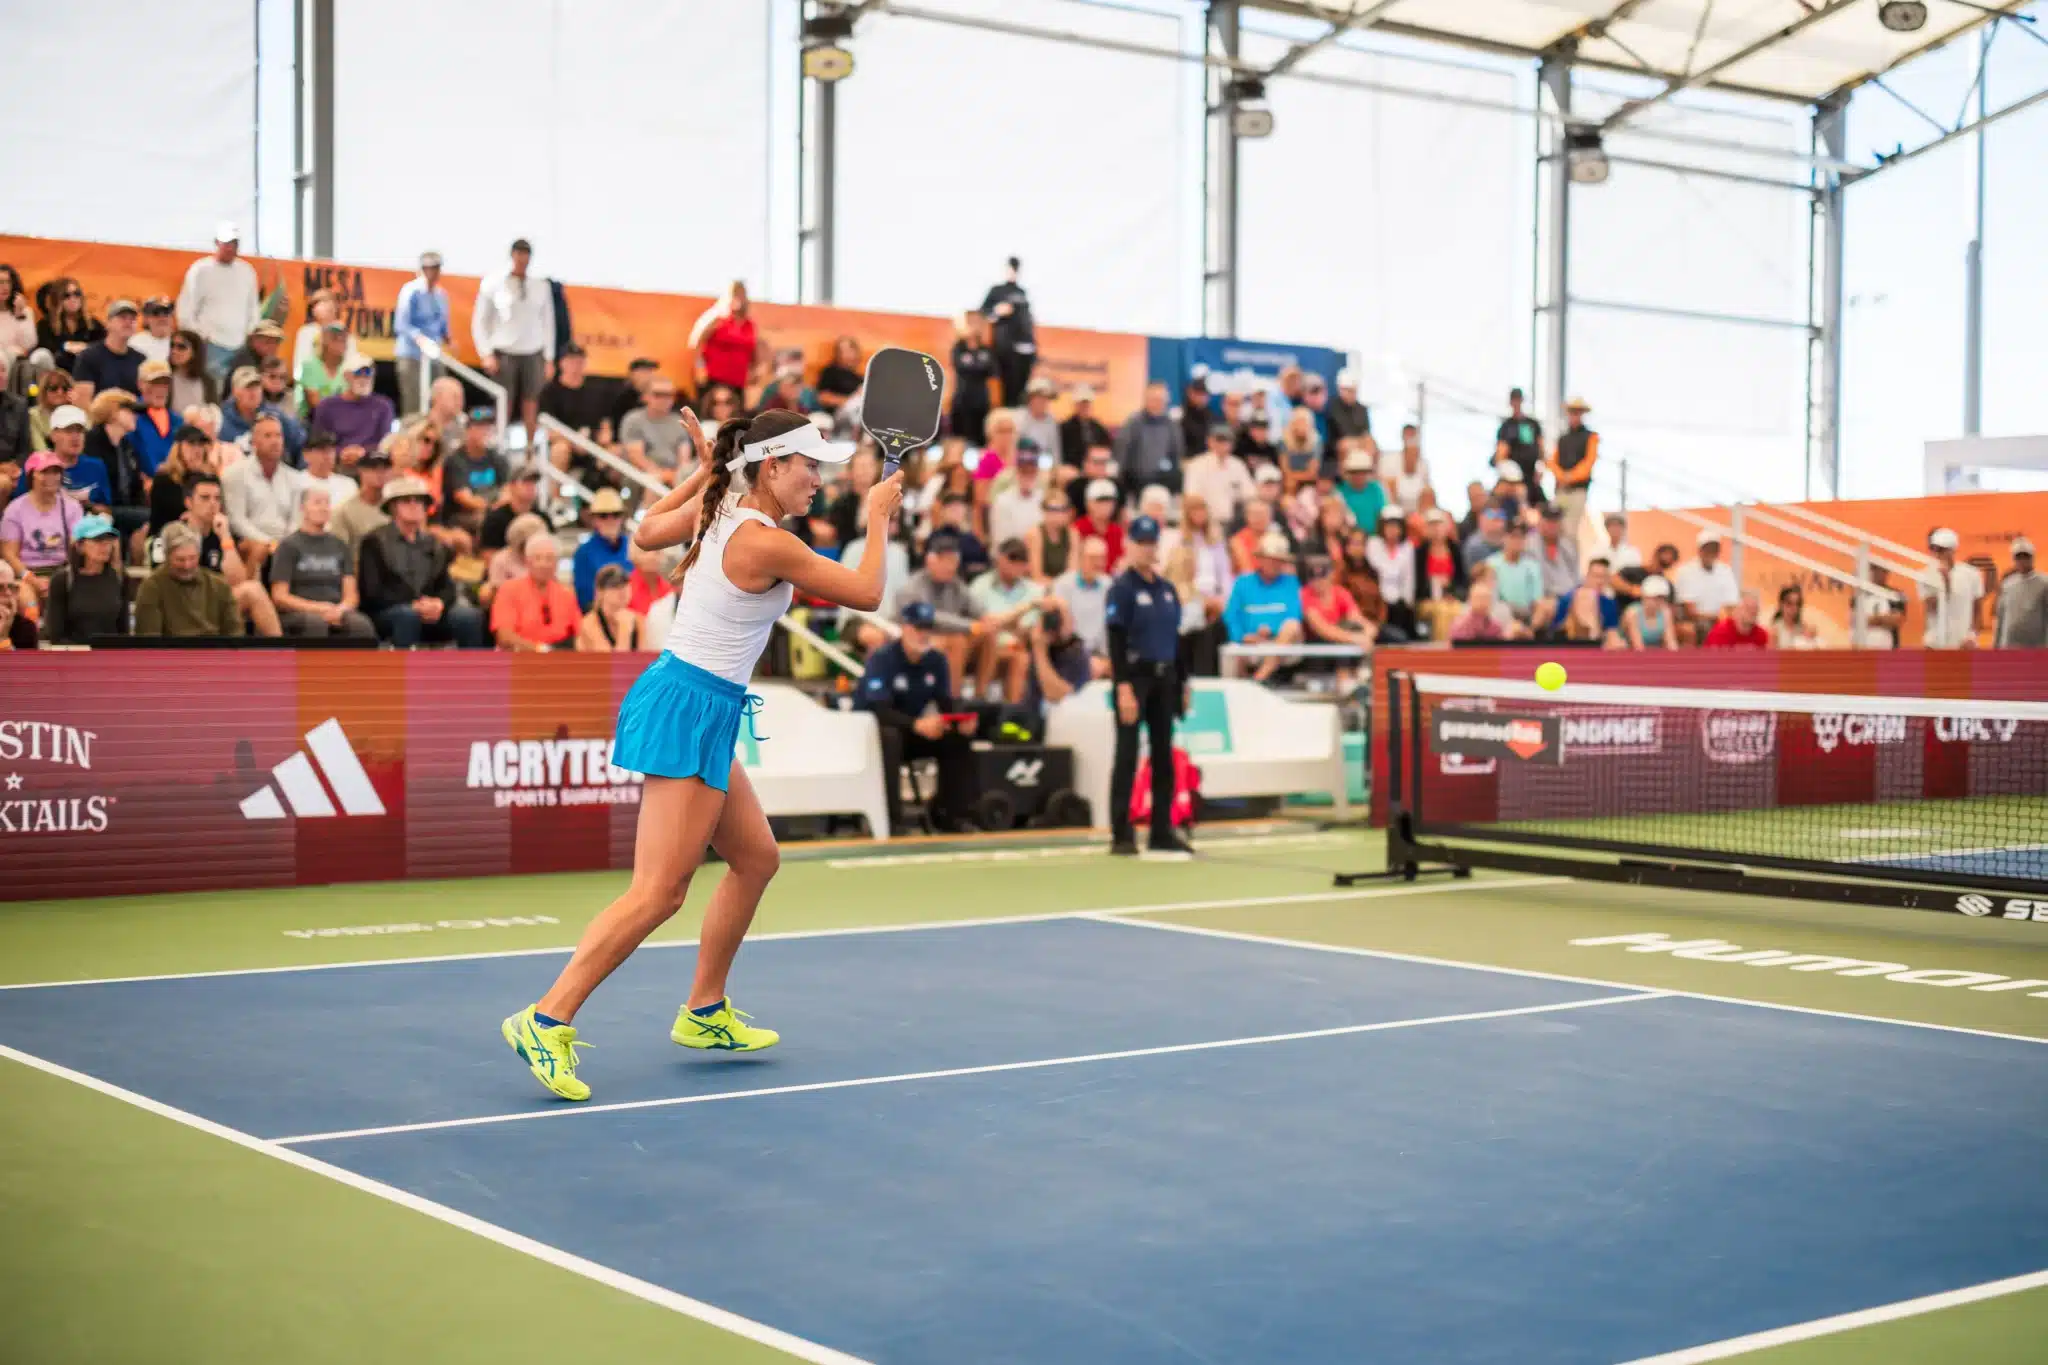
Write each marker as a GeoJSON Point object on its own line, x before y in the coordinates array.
{"type": "Point", "coordinates": [188, 467]}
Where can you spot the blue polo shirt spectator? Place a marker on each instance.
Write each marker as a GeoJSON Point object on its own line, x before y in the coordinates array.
{"type": "Point", "coordinates": [1266, 599]}
{"type": "Point", "coordinates": [422, 310]}
{"type": "Point", "coordinates": [421, 313]}
{"type": "Point", "coordinates": [84, 475]}
{"type": "Point", "coordinates": [606, 544]}
{"type": "Point", "coordinates": [1517, 577]}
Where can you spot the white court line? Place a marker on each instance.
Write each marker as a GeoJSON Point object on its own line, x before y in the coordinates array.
{"type": "Point", "coordinates": [1163, 907]}
{"type": "Point", "coordinates": [1821, 1327]}
{"type": "Point", "coordinates": [1117, 917]}
{"type": "Point", "coordinates": [540, 1251]}
{"type": "Point", "coordinates": [900, 1078]}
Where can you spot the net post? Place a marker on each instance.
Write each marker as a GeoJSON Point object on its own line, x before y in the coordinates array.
{"type": "Point", "coordinates": [1406, 861]}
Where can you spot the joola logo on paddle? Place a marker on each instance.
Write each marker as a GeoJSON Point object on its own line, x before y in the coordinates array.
{"type": "Point", "coordinates": [931, 373]}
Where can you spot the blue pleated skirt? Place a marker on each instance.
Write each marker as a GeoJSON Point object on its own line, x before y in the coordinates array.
{"type": "Point", "coordinates": [681, 721]}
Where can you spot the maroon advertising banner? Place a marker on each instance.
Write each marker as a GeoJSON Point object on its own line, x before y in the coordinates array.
{"type": "Point", "coordinates": [127, 773]}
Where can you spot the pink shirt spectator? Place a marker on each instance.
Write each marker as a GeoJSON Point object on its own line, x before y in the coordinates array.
{"type": "Point", "coordinates": [44, 537]}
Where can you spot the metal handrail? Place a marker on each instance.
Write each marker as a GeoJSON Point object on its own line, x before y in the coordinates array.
{"type": "Point", "coordinates": [1925, 560]}
{"type": "Point", "coordinates": [431, 355]}
{"type": "Point", "coordinates": [548, 470]}
{"type": "Point", "coordinates": [1767, 513]}
{"type": "Point", "coordinates": [624, 468]}
{"type": "Point", "coordinates": [846, 662]}
{"type": "Point", "coordinates": [1813, 566]}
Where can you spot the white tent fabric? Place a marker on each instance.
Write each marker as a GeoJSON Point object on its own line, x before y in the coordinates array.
{"type": "Point", "coordinates": [629, 142]}
{"type": "Point", "coordinates": [1799, 48]}
{"type": "Point", "coordinates": [158, 162]}
{"type": "Point", "coordinates": [1068, 157]}
{"type": "Point", "coordinates": [1390, 227]}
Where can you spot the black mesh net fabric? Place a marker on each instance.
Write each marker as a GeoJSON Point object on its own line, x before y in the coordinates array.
{"type": "Point", "coordinates": [1904, 789]}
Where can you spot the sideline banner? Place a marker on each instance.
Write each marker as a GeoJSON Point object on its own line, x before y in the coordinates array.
{"type": "Point", "coordinates": [280, 769]}
{"type": "Point", "coordinates": [613, 325]}
{"type": "Point", "coordinates": [2010, 675]}
{"type": "Point", "coordinates": [1237, 366]}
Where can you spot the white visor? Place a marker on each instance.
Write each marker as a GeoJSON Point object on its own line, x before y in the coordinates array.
{"type": "Point", "coordinates": [805, 440]}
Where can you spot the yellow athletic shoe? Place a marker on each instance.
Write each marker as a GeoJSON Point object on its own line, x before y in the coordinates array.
{"type": "Point", "coordinates": [549, 1052]}
{"type": "Point", "coordinates": [722, 1030]}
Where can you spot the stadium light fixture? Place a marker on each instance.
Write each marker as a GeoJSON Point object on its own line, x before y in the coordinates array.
{"type": "Point", "coordinates": [826, 57]}
{"type": "Point", "coordinates": [1903, 16]}
{"type": "Point", "coordinates": [1585, 158]}
{"type": "Point", "coordinates": [1245, 99]}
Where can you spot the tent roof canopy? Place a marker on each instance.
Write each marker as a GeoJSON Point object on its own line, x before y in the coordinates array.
{"type": "Point", "coordinates": [1786, 49]}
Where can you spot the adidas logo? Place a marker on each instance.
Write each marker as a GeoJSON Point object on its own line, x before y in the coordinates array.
{"type": "Point", "coordinates": [299, 780]}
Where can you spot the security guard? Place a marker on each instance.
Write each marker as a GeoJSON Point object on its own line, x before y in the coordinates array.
{"type": "Point", "coordinates": [908, 688]}
{"type": "Point", "coordinates": [1143, 620]}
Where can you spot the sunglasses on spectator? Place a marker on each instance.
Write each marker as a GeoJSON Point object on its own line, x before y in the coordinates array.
{"type": "Point", "coordinates": [74, 293]}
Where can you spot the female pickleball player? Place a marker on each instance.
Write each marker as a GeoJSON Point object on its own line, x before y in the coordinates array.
{"type": "Point", "coordinates": [680, 724]}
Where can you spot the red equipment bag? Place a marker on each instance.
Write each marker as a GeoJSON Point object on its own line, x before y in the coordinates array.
{"type": "Point", "coordinates": [1187, 786]}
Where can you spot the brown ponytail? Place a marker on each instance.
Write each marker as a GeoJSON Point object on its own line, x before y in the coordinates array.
{"type": "Point", "coordinates": [731, 437]}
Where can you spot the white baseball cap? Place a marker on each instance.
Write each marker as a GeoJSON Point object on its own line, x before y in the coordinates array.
{"type": "Point", "coordinates": [1656, 585]}
{"type": "Point", "coordinates": [1358, 462]}
{"type": "Point", "coordinates": [2022, 546]}
{"type": "Point", "coordinates": [69, 416]}
{"type": "Point", "coordinates": [1100, 488]}
{"type": "Point", "coordinates": [226, 231]}
{"type": "Point", "coordinates": [1942, 538]}
{"type": "Point", "coordinates": [1346, 379]}
{"type": "Point", "coordinates": [1707, 537]}
{"type": "Point", "coordinates": [1508, 472]}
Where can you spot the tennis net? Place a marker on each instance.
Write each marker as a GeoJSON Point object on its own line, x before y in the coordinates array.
{"type": "Point", "coordinates": [1865, 798]}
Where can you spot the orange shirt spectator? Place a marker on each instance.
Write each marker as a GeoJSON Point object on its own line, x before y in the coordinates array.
{"type": "Point", "coordinates": [536, 611]}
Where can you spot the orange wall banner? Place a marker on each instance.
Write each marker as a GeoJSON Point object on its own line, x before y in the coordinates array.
{"type": "Point", "coordinates": [1985, 523]}
{"type": "Point", "coordinates": [613, 325]}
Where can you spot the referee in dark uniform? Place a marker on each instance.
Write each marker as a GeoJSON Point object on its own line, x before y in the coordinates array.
{"type": "Point", "coordinates": [1143, 619]}
{"type": "Point", "coordinates": [908, 689]}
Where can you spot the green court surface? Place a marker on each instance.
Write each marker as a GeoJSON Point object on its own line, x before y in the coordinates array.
{"type": "Point", "coordinates": [1995, 830]}
{"type": "Point", "coordinates": [131, 1237]}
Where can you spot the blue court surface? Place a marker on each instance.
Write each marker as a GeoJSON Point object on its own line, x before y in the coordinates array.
{"type": "Point", "coordinates": [1234, 1150]}
{"type": "Point", "coordinates": [2021, 864]}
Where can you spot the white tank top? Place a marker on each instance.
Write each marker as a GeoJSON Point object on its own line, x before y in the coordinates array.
{"type": "Point", "coordinates": [720, 628]}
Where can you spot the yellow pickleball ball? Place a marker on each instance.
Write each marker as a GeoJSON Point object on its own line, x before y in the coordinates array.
{"type": "Point", "coordinates": [1550, 676]}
